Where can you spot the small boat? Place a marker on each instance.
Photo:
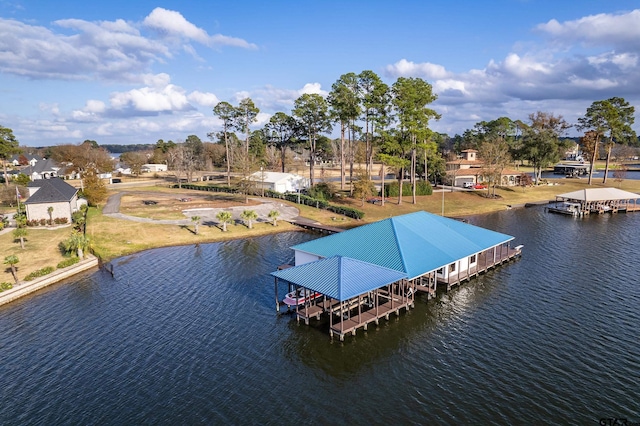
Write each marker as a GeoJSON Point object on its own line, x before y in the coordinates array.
{"type": "Point", "coordinates": [300, 297]}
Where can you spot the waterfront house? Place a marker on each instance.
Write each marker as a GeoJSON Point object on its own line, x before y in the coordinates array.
{"type": "Point", "coordinates": [54, 192]}
{"type": "Point", "coordinates": [469, 169]}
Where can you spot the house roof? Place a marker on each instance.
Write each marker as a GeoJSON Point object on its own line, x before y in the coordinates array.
{"type": "Point", "coordinates": [29, 157]}
{"type": "Point", "coordinates": [52, 190]}
{"type": "Point", "coordinates": [340, 277]}
{"type": "Point", "coordinates": [47, 165]}
{"type": "Point", "coordinates": [414, 244]}
{"type": "Point", "coordinates": [599, 194]}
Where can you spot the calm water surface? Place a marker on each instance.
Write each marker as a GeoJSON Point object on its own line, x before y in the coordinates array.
{"type": "Point", "coordinates": [189, 335]}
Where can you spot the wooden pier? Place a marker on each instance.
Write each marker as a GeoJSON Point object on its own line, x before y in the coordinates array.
{"type": "Point", "coordinates": [487, 260]}
{"type": "Point", "coordinates": [315, 226]}
{"type": "Point", "coordinates": [348, 316]}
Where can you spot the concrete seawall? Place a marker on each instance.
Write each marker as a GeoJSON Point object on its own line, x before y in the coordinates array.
{"type": "Point", "coordinates": [28, 287]}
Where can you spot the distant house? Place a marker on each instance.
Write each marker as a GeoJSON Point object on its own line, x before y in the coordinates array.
{"type": "Point", "coordinates": [44, 169]}
{"type": "Point", "coordinates": [154, 168]}
{"type": "Point", "coordinates": [54, 192]}
{"type": "Point", "coordinates": [280, 182]}
{"type": "Point", "coordinates": [25, 159]}
{"type": "Point", "coordinates": [470, 169]}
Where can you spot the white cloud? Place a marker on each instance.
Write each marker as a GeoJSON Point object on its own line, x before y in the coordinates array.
{"type": "Point", "coordinates": [104, 50]}
{"type": "Point", "coordinates": [151, 99]}
{"type": "Point", "coordinates": [172, 23]}
{"type": "Point", "coordinates": [426, 70]}
{"type": "Point", "coordinates": [618, 30]}
{"type": "Point", "coordinates": [205, 99]}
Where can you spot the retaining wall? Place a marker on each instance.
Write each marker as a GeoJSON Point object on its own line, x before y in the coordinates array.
{"type": "Point", "coordinates": [28, 287]}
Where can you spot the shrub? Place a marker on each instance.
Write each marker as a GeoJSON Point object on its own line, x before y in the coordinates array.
{"type": "Point", "coordinates": [39, 273]}
{"type": "Point", "coordinates": [43, 222]}
{"type": "Point", "coordinates": [60, 220]}
{"type": "Point", "coordinates": [422, 188]}
{"type": "Point", "coordinates": [347, 211]}
{"type": "Point", "coordinates": [68, 262]}
{"type": "Point", "coordinates": [322, 191]}
{"type": "Point", "coordinates": [5, 286]}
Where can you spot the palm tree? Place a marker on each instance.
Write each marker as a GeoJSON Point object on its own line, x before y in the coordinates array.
{"type": "Point", "coordinates": [224, 217]}
{"type": "Point", "coordinates": [50, 211]}
{"type": "Point", "coordinates": [249, 216]}
{"type": "Point", "coordinates": [12, 260]}
{"type": "Point", "coordinates": [196, 222]}
{"type": "Point", "coordinates": [78, 243]}
{"type": "Point", "coordinates": [19, 234]}
{"type": "Point", "coordinates": [273, 215]}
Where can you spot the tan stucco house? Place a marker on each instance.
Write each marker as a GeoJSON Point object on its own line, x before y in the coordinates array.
{"type": "Point", "coordinates": [54, 192]}
{"type": "Point", "coordinates": [470, 169]}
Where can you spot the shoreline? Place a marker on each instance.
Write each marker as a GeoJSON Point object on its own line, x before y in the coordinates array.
{"type": "Point", "coordinates": [24, 288]}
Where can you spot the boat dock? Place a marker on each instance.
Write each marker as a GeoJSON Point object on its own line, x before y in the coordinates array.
{"type": "Point", "coordinates": [358, 312]}
{"type": "Point", "coordinates": [595, 201]}
{"type": "Point", "coordinates": [358, 276]}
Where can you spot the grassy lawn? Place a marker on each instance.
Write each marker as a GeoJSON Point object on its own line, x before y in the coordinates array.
{"type": "Point", "coordinates": [40, 250]}
{"type": "Point", "coordinates": [112, 237]}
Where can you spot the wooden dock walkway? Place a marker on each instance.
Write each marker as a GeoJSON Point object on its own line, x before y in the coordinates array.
{"type": "Point", "coordinates": [315, 226]}
{"type": "Point", "coordinates": [486, 260]}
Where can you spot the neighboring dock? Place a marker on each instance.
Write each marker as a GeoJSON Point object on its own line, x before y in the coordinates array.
{"type": "Point", "coordinates": [595, 201]}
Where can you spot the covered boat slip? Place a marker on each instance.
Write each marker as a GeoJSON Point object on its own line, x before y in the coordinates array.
{"type": "Point", "coordinates": [355, 293]}
{"type": "Point", "coordinates": [595, 200]}
{"type": "Point", "coordinates": [368, 272]}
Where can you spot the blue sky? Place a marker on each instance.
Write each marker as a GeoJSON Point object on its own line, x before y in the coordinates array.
{"type": "Point", "coordinates": [138, 71]}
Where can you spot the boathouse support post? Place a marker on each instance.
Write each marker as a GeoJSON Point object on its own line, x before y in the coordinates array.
{"type": "Point", "coordinates": [275, 284]}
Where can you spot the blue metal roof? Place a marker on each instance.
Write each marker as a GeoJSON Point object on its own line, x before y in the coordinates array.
{"type": "Point", "coordinates": [340, 277]}
{"type": "Point", "coordinates": [415, 243]}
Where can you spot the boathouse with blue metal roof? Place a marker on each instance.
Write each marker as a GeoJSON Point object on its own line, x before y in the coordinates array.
{"type": "Point", "coordinates": [366, 272]}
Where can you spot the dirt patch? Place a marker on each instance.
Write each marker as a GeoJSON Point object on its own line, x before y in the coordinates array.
{"type": "Point", "coordinates": [170, 206]}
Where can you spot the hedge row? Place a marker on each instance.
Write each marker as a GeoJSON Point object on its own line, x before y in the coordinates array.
{"type": "Point", "coordinates": [5, 286]}
{"type": "Point", "coordinates": [39, 273]}
{"type": "Point", "coordinates": [293, 197]}
{"type": "Point", "coordinates": [347, 211]}
{"type": "Point", "coordinates": [422, 188]}
{"type": "Point", "coordinates": [68, 262]}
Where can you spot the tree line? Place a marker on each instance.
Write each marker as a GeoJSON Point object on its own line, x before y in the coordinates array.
{"type": "Point", "coordinates": [378, 123]}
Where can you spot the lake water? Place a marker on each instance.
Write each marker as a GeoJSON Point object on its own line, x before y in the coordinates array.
{"type": "Point", "coordinates": [189, 335]}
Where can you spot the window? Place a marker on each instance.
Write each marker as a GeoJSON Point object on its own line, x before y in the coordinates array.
{"type": "Point", "coordinates": [472, 259]}
{"type": "Point", "coordinates": [452, 267]}
{"type": "Point", "coordinates": [440, 271]}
